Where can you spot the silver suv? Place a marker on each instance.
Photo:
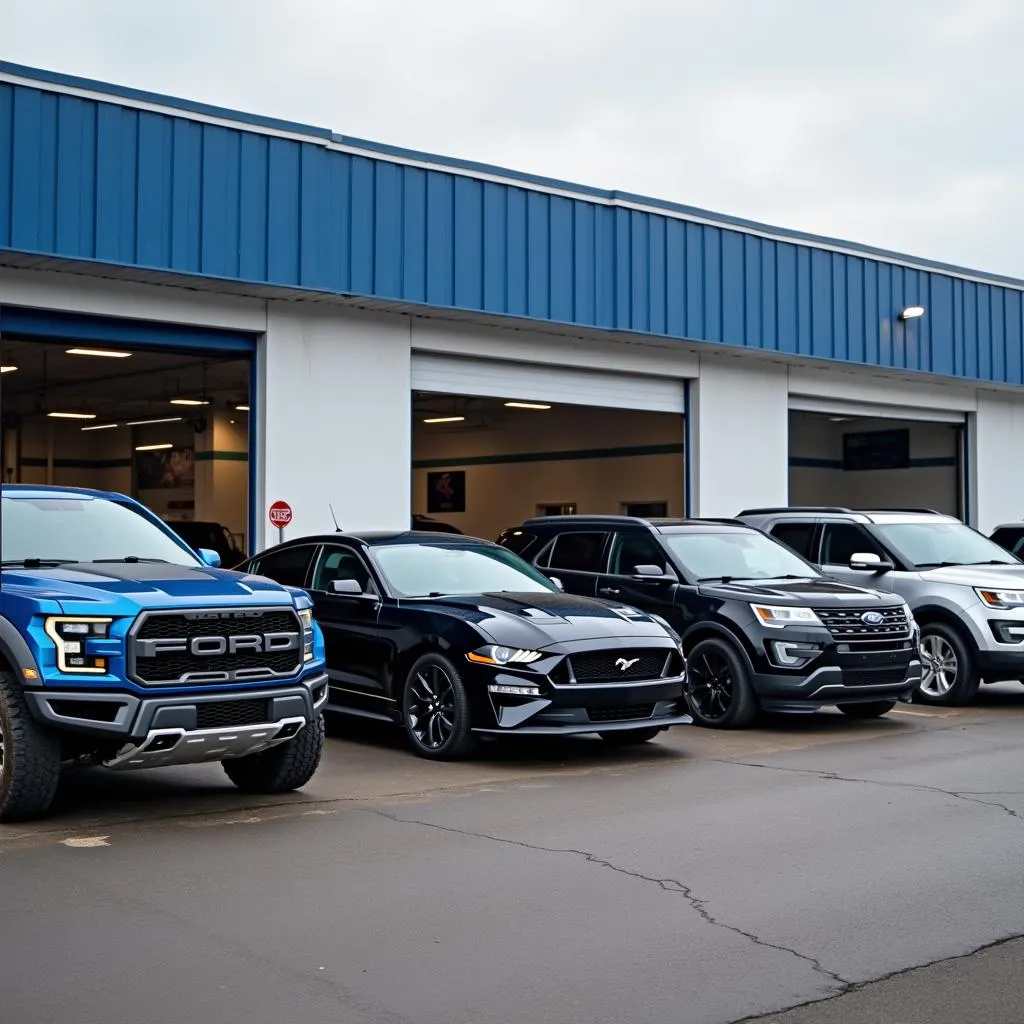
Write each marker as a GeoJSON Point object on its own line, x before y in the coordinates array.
{"type": "Point", "coordinates": [966, 592]}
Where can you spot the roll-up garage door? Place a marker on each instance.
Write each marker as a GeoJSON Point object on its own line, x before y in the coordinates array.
{"type": "Point", "coordinates": [872, 410]}
{"type": "Point", "coordinates": [492, 378]}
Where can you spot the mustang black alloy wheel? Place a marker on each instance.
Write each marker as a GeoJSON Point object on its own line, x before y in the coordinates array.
{"type": "Point", "coordinates": [718, 688]}
{"type": "Point", "coordinates": [435, 710]}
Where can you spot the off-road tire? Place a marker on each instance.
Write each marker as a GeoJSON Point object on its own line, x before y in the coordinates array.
{"type": "Point", "coordinates": [282, 768]}
{"type": "Point", "coordinates": [29, 757]}
{"type": "Point", "coordinates": [629, 737]}
{"type": "Point", "coordinates": [871, 709]}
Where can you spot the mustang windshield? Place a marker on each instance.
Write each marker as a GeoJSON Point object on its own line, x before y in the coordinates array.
{"type": "Point", "coordinates": [422, 570]}
{"type": "Point", "coordinates": [74, 529]}
{"type": "Point", "coordinates": [738, 555]}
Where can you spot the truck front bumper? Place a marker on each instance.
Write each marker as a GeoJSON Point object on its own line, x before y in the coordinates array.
{"type": "Point", "coordinates": [165, 730]}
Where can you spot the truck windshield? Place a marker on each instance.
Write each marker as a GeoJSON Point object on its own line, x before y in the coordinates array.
{"type": "Point", "coordinates": [77, 529]}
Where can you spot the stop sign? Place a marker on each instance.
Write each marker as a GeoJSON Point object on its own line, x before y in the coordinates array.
{"type": "Point", "coordinates": [280, 514]}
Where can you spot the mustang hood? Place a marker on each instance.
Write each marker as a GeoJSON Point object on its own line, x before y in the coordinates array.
{"type": "Point", "coordinates": [109, 588]}
{"type": "Point", "coordinates": [538, 620]}
{"type": "Point", "coordinates": [813, 591]}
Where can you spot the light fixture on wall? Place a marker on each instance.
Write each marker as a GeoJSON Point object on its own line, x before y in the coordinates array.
{"type": "Point", "coordinates": [101, 426]}
{"type": "Point", "coordinates": [912, 312]}
{"type": "Point", "coordinates": [526, 405]}
{"type": "Point", "coordinates": [444, 419]}
{"type": "Point", "coordinates": [104, 353]}
{"type": "Point", "coordinates": [241, 408]}
{"type": "Point", "coordinates": [146, 423]}
{"type": "Point", "coordinates": [189, 401]}
{"type": "Point", "coordinates": [72, 415]}
{"type": "Point", "coordinates": [7, 369]}
{"type": "Point", "coordinates": [153, 447]}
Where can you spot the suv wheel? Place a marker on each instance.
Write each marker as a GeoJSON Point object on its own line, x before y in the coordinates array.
{"type": "Point", "coordinates": [718, 687]}
{"type": "Point", "coordinates": [950, 672]}
{"type": "Point", "coordinates": [29, 757]}
{"type": "Point", "coordinates": [435, 710]}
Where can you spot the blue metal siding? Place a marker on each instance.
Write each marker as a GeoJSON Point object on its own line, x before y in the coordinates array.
{"type": "Point", "coordinates": [82, 179]}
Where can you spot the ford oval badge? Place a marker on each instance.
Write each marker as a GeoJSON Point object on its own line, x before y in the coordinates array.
{"type": "Point", "coordinates": [872, 618]}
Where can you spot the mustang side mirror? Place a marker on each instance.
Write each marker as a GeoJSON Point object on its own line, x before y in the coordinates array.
{"type": "Point", "coordinates": [210, 558]}
{"type": "Point", "coordinates": [864, 561]}
{"type": "Point", "coordinates": [652, 574]}
{"type": "Point", "coordinates": [345, 588]}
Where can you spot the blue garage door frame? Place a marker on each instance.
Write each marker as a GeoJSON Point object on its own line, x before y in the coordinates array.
{"type": "Point", "coordinates": [52, 326]}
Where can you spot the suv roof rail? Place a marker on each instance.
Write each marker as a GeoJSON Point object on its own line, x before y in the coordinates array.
{"type": "Point", "coordinates": [578, 518]}
{"type": "Point", "coordinates": [797, 509]}
{"type": "Point", "coordinates": [923, 511]}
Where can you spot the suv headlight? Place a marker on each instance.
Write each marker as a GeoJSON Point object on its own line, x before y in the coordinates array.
{"type": "Point", "coordinates": [779, 616]}
{"type": "Point", "coordinates": [495, 655]}
{"type": "Point", "coordinates": [71, 636]}
{"type": "Point", "coordinates": [1001, 598]}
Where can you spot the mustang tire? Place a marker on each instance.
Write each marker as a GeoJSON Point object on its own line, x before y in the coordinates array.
{"type": "Point", "coordinates": [29, 757]}
{"type": "Point", "coordinates": [435, 710]}
{"type": "Point", "coordinates": [282, 768]}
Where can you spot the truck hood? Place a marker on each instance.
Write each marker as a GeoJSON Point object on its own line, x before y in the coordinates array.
{"type": "Point", "coordinates": [533, 621]}
{"type": "Point", "coordinates": [820, 592]}
{"type": "Point", "coordinates": [124, 588]}
{"type": "Point", "coordinates": [996, 577]}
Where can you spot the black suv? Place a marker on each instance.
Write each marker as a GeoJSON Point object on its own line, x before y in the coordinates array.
{"type": "Point", "coordinates": [761, 628]}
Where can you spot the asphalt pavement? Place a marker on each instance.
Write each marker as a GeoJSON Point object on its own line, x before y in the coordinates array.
{"type": "Point", "coordinates": [814, 870]}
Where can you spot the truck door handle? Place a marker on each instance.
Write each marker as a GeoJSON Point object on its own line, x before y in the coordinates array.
{"type": "Point", "coordinates": [609, 591]}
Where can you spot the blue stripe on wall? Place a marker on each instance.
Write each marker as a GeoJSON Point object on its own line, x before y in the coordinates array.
{"type": "Point", "coordinates": [99, 181]}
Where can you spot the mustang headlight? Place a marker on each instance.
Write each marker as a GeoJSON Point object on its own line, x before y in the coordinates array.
{"type": "Point", "coordinates": [777, 617]}
{"type": "Point", "coordinates": [71, 636]}
{"type": "Point", "coordinates": [495, 655]}
{"type": "Point", "coordinates": [1001, 598]}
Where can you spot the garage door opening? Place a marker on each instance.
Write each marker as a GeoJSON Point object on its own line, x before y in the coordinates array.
{"type": "Point", "coordinates": [170, 428]}
{"type": "Point", "coordinates": [871, 462]}
{"type": "Point", "coordinates": [482, 464]}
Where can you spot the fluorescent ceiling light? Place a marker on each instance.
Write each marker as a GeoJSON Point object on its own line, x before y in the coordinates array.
{"type": "Point", "coordinates": [188, 401]}
{"type": "Point", "coordinates": [152, 447]}
{"type": "Point", "coordinates": [143, 423]}
{"type": "Point", "coordinates": [526, 405]}
{"type": "Point", "coordinates": [106, 353]}
{"type": "Point", "coordinates": [444, 419]}
{"type": "Point", "coordinates": [72, 415]}
{"type": "Point", "coordinates": [100, 426]}
{"type": "Point", "coordinates": [241, 408]}
{"type": "Point", "coordinates": [7, 369]}
{"type": "Point", "coordinates": [912, 312]}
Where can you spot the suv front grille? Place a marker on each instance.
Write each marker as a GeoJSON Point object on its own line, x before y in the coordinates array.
{"type": "Point", "coordinates": [619, 666]}
{"type": "Point", "coordinates": [849, 624]}
{"type": "Point", "coordinates": [212, 646]}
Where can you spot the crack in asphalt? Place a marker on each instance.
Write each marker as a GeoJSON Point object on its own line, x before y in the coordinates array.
{"type": "Point", "coordinates": [669, 885]}
{"type": "Point", "coordinates": [820, 773]}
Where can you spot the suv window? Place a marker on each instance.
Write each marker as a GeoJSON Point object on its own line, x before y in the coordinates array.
{"type": "Point", "coordinates": [288, 567]}
{"type": "Point", "coordinates": [798, 536]}
{"type": "Point", "coordinates": [519, 542]}
{"type": "Point", "coordinates": [632, 549]}
{"type": "Point", "coordinates": [841, 541]}
{"type": "Point", "coordinates": [1011, 538]}
{"type": "Point", "coordinates": [577, 552]}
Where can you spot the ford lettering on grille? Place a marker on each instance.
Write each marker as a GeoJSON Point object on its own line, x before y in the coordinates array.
{"type": "Point", "coordinates": [215, 646]}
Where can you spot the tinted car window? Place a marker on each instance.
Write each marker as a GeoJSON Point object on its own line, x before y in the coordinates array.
{"type": "Point", "coordinates": [1011, 538]}
{"type": "Point", "coordinates": [841, 541]}
{"type": "Point", "coordinates": [518, 541]}
{"type": "Point", "coordinates": [577, 552]}
{"type": "Point", "coordinates": [798, 536]}
{"type": "Point", "coordinates": [288, 566]}
{"type": "Point", "coordinates": [339, 563]}
{"type": "Point", "coordinates": [632, 549]}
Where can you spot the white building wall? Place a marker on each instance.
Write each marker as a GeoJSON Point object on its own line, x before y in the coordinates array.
{"type": "Point", "coordinates": [738, 437]}
{"type": "Point", "coordinates": [996, 441]}
{"type": "Point", "coordinates": [334, 420]}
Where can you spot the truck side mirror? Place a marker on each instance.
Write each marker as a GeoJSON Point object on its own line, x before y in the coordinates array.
{"type": "Point", "coordinates": [208, 557]}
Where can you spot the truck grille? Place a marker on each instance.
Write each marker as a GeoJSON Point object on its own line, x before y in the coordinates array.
{"type": "Point", "coordinates": [211, 646]}
{"type": "Point", "coordinates": [619, 666]}
{"type": "Point", "coordinates": [849, 624]}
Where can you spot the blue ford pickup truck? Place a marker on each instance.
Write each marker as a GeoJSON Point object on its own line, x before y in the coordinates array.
{"type": "Point", "coordinates": [122, 647]}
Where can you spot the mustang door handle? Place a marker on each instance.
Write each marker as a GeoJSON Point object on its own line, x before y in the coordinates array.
{"type": "Point", "coordinates": [609, 591]}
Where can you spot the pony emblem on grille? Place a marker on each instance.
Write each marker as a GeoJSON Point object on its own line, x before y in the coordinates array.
{"type": "Point", "coordinates": [624, 664]}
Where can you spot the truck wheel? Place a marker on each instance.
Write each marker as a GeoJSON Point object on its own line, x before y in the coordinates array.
{"type": "Point", "coordinates": [950, 671]}
{"type": "Point", "coordinates": [872, 709]}
{"type": "Point", "coordinates": [29, 757]}
{"type": "Point", "coordinates": [282, 768]}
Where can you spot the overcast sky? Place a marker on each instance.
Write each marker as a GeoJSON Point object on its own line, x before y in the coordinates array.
{"type": "Point", "coordinates": [890, 122]}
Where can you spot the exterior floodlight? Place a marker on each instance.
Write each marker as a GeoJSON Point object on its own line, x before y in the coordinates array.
{"type": "Point", "coordinates": [912, 312]}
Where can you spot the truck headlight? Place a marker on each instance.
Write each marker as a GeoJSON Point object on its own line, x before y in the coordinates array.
{"type": "Point", "coordinates": [71, 636]}
{"type": "Point", "coordinates": [777, 617]}
{"type": "Point", "coordinates": [306, 618]}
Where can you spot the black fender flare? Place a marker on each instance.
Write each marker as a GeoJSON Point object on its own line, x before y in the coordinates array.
{"type": "Point", "coordinates": [15, 651]}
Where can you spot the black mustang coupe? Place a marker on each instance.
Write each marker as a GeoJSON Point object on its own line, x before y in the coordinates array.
{"type": "Point", "coordinates": [453, 637]}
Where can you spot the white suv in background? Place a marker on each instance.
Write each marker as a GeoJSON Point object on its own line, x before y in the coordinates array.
{"type": "Point", "coordinates": [966, 592]}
